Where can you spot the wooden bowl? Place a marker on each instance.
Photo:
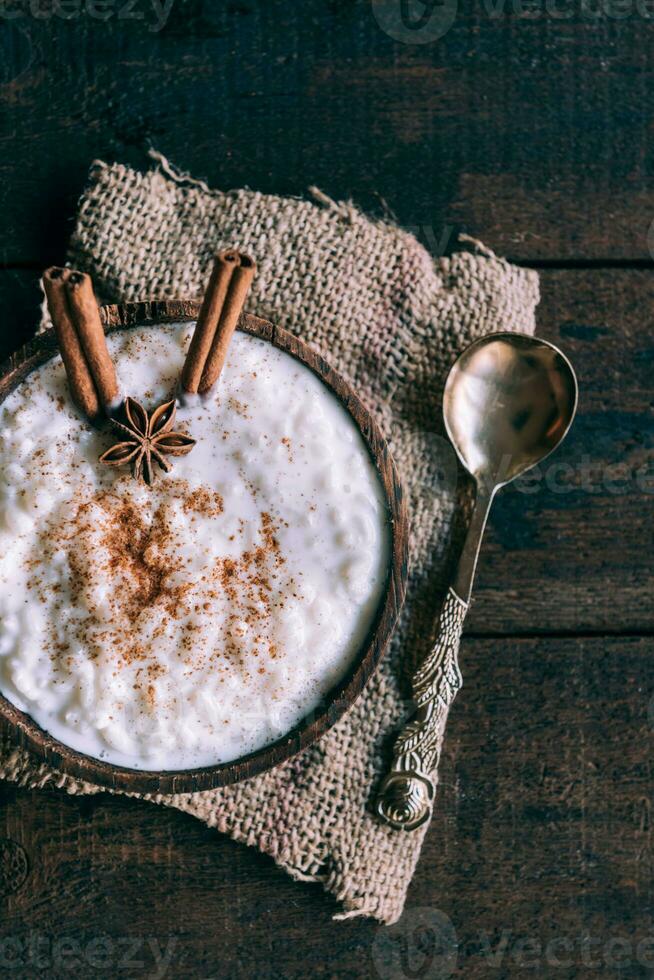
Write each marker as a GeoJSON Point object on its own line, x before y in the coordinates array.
{"type": "Point", "coordinates": [25, 732]}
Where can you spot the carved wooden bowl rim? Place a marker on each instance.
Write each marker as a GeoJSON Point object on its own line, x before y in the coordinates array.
{"type": "Point", "coordinates": [28, 734]}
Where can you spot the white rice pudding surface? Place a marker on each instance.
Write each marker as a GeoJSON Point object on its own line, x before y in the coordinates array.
{"type": "Point", "coordinates": [188, 623]}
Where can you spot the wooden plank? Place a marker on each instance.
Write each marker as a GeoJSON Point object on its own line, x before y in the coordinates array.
{"type": "Point", "coordinates": [543, 833]}
{"type": "Point", "coordinates": [575, 553]}
{"type": "Point", "coordinates": [531, 132]}
{"type": "Point", "coordinates": [20, 299]}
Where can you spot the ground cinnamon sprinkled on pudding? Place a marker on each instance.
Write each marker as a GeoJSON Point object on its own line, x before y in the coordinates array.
{"type": "Point", "coordinates": [194, 621]}
{"type": "Point", "coordinates": [140, 559]}
{"type": "Point", "coordinates": [239, 407]}
{"type": "Point", "coordinates": [287, 443]}
{"type": "Point", "coordinates": [204, 501]}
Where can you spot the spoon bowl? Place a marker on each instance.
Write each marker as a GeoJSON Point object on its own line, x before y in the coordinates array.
{"type": "Point", "coordinates": [509, 400]}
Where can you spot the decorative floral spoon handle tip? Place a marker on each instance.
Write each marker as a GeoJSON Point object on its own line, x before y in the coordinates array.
{"type": "Point", "coordinates": [407, 793]}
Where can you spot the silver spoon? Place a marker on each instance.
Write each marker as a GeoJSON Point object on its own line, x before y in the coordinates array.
{"type": "Point", "coordinates": [509, 400]}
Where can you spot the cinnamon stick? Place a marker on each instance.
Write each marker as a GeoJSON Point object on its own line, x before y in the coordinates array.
{"type": "Point", "coordinates": [205, 330]}
{"type": "Point", "coordinates": [86, 317]}
{"type": "Point", "coordinates": [239, 285]}
{"type": "Point", "coordinates": [80, 380]}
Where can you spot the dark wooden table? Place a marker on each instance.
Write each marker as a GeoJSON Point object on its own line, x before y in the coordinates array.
{"type": "Point", "coordinates": [529, 126]}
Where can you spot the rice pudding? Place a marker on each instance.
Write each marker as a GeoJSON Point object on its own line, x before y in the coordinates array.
{"type": "Point", "coordinates": [188, 623]}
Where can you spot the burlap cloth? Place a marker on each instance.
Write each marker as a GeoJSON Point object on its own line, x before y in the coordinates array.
{"type": "Point", "coordinates": [391, 319]}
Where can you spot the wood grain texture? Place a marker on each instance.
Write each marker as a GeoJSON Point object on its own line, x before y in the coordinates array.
{"type": "Point", "coordinates": [570, 549]}
{"type": "Point", "coordinates": [20, 299]}
{"type": "Point", "coordinates": [59, 756]}
{"type": "Point", "coordinates": [542, 832]}
{"type": "Point", "coordinates": [529, 130]}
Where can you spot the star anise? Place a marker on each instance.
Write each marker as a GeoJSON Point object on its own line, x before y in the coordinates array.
{"type": "Point", "coordinates": [149, 440]}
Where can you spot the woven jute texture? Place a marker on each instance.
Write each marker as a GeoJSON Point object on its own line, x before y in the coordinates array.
{"type": "Point", "coordinates": [391, 319]}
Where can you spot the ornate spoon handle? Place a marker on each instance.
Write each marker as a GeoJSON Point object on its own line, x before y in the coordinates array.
{"type": "Point", "coordinates": [406, 795]}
